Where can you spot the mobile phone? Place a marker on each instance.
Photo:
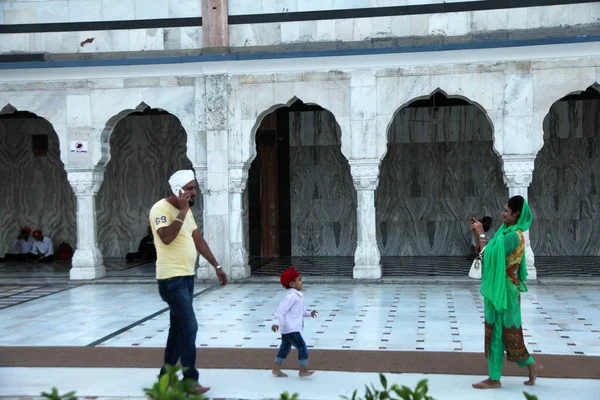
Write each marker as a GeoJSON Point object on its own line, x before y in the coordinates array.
{"type": "Point", "coordinates": [177, 190]}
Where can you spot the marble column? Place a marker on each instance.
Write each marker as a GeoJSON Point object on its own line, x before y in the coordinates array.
{"type": "Point", "coordinates": [216, 192]}
{"type": "Point", "coordinates": [87, 261]}
{"type": "Point", "coordinates": [238, 255]}
{"type": "Point", "coordinates": [365, 174]}
{"type": "Point", "coordinates": [518, 173]}
{"type": "Point", "coordinates": [204, 270]}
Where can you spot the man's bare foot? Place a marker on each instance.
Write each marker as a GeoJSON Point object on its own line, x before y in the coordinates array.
{"type": "Point", "coordinates": [277, 371]}
{"type": "Point", "coordinates": [304, 371]}
{"type": "Point", "coordinates": [487, 384]}
{"type": "Point", "coordinates": [534, 371]}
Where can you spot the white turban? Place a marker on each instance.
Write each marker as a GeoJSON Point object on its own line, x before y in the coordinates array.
{"type": "Point", "coordinates": [181, 178]}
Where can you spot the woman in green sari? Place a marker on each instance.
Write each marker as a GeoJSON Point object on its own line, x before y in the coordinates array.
{"type": "Point", "coordinates": [502, 280]}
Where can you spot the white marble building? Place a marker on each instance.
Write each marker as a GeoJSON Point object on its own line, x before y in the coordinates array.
{"type": "Point", "coordinates": [221, 101]}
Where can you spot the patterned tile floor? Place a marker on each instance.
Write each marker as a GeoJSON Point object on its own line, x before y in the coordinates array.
{"type": "Point", "coordinates": [13, 295]}
{"type": "Point", "coordinates": [442, 317]}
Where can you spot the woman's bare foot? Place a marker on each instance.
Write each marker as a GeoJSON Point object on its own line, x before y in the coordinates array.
{"type": "Point", "coordinates": [487, 384]}
{"type": "Point", "coordinates": [277, 371]}
{"type": "Point", "coordinates": [534, 371]}
{"type": "Point", "coordinates": [304, 371]}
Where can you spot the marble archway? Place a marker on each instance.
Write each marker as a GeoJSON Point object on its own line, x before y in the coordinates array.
{"type": "Point", "coordinates": [440, 169]}
{"type": "Point", "coordinates": [146, 147]}
{"type": "Point", "coordinates": [313, 190]}
{"type": "Point", "coordinates": [36, 192]}
{"type": "Point", "coordinates": [565, 189]}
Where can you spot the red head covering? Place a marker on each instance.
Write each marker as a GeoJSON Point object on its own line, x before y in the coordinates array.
{"type": "Point", "coordinates": [288, 276]}
{"type": "Point", "coordinates": [26, 229]}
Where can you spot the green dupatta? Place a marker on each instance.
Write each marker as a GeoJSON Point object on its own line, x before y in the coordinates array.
{"type": "Point", "coordinates": [493, 274]}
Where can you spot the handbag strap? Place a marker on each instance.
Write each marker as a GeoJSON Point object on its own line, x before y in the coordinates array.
{"type": "Point", "coordinates": [481, 252]}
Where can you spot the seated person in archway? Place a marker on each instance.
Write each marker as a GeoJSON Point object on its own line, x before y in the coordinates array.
{"type": "Point", "coordinates": [146, 250]}
{"type": "Point", "coordinates": [43, 249]}
{"type": "Point", "coordinates": [486, 222]}
{"type": "Point", "coordinates": [22, 247]}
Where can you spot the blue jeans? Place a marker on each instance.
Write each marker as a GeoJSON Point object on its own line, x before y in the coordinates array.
{"type": "Point", "coordinates": [178, 292]}
{"type": "Point", "coordinates": [287, 341]}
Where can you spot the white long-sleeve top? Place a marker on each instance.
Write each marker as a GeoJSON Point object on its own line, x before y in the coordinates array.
{"type": "Point", "coordinates": [291, 312]}
{"type": "Point", "coordinates": [43, 247]}
{"type": "Point", "coordinates": [21, 246]}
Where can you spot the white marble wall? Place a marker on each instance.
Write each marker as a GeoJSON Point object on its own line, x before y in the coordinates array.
{"type": "Point", "coordinates": [185, 38]}
{"type": "Point", "coordinates": [221, 122]}
{"type": "Point", "coordinates": [53, 11]}
{"type": "Point", "coordinates": [450, 24]}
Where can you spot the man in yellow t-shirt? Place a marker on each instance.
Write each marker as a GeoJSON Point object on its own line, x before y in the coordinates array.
{"type": "Point", "coordinates": [178, 243]}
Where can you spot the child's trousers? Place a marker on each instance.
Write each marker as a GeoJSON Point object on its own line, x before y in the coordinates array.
{"type": "Point", "coordinates": [287, 341]}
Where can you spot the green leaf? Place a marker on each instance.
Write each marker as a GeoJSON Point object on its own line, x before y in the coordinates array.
{"type": "Point", "coordinates": [383, 381]}
{"type": "Point", "coordinates": [164, 383]}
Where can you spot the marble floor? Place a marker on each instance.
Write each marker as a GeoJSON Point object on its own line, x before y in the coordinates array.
{"type": "Point", "coordinates": [416, 317]}
{"type": "Point", "coordinates": [558, 319]}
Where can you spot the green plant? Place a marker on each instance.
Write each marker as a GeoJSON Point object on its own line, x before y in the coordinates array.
{"type": "Point", "coordinates": [54, 395]}
{"type": "Point", "coordinates": [170, 387]}
{"type": "Point", "coordinates": [530, 396]}
{"type": "Point", "coordinates": [404, 393]}
{"type": "Point", "coordinates": [287, 396]}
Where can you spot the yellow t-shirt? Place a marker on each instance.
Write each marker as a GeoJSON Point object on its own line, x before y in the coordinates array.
{"type": "Point", "coordinates": [179, 257]}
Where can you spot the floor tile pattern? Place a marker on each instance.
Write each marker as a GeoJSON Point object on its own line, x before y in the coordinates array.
{"type": "Point", "coordinates": [447, 317]}
{"type": "Point", "coordinates": [13, 295]}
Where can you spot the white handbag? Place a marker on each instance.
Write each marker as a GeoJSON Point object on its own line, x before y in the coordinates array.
{"type": "Point", "coordinates": [475, 271]}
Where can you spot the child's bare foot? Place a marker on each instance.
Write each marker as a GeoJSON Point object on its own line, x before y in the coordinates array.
{"type": "Point", "coordinates": [487, 384]}
{"type": "Point", "coordinates": [277, 371]}
{"type": "Point", "coordinates": [534, 370]}
{"type": "Point", "coordinates": [304, 371]}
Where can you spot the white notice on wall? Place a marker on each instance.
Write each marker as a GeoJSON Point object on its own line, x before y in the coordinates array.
{"type": "Point", "coordinates": [79, 147]}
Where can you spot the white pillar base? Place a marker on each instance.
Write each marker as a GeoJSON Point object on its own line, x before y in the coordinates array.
{"type": "Point", "coordinates": [87, 264]}
{"type": "Point", "coordinates": [240, 272]}
{"type": "Point", "coordinates": [87, 273]}
{"type": "Point", "coordinates": [205, 270]}
{"type": "Point", "coordinates": [367, 272]}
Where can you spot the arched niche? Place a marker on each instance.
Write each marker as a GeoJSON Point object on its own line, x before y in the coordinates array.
{"type": "Point", "coordinates": [145, 147]}
{"type": "Point", "coordinates": [297, 168]}
{"type": "Point", "coordinates": [439, 170]}
{"type": "Point", "coordinates": [36, 192]}
{"type": "Point", "coordinates": [565, 190]}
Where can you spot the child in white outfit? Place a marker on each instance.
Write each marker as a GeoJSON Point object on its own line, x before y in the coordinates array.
{"type": "Point", "coordinates": [290, 316]}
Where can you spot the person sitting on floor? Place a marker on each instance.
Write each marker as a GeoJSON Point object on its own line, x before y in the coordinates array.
{"type": "Point", "coordinates": [43, 249]}
{"type": "Point", "coordinates": [20, 247]}
{"type": "Point", "coordinates": [486, 222]}
{"type": "Point", "coordinates": [146, 250]}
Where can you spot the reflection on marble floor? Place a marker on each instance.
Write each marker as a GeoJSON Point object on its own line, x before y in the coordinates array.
{"type": "Point", "coordinates": [443, 317]}
{"type": "Point", "coordinates": [393, 267]}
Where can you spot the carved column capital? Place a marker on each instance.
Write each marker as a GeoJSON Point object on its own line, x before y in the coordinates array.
{"type": "Point", "coordinates": [518, 170]}
{"type": "Point", "coordinates": [201, 171]}
{"type": "Point", "coordinates": [85, 182]}
{"type": "Point", "coordinates": [365, 173]}
{"type": "Point", "coordinates": [238, 177]}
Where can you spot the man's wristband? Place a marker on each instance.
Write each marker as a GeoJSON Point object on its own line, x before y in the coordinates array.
{"type": "Point", "coordinates": [218, 267]}
{"type": "Point", "coordinates": [179, 219]}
